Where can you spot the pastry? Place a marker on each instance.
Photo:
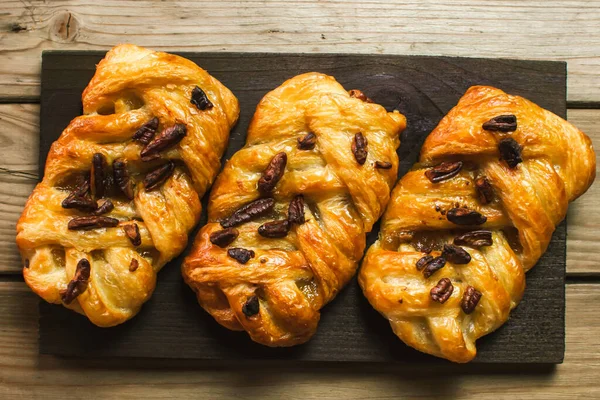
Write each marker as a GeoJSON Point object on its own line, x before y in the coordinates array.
{"type": "Point", "coordinates": [289, 212]}
{"type": "Point", "coordinates": [122, 184]}
{"type": "Point", "coordinates": [464, 225]}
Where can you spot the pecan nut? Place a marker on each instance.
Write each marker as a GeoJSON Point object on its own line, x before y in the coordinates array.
{"type": "Point", "coordinates": [121, 176]}
{"type": "Point", "coordinates": [296, 210]}
{"type": "Point", "coordinates": [359, 148]}
{"type": "Point", "coordinates": [357, 94]}
{"type": "Point", "coordinates": [501, 123]}
{"type": "Point", "coordinates": [133, 233]}
{"type": "Point", "coordinates": [240, 255]}
{"type": "Point", "coordinates": [474, 238]}
{"type": "Point", "coordinates": [200, 100]}
{"type": "Point", "coordinates": [433, 266]}
{"type": "Point", "coordinates": [133, 265]}
{"type": "Point", "coordinates": [275, 229]}
{"type": "Point", "coordinates": [443, 171]}
{"type": "Point", "coordinates": [224, 237]}
{"type": "Point", "coordinates": [442, 291]}
{"type": "Point", "coordinates": [464, 216]}
{"type": "Point", "coordinates": [456, 254]}
{"type": "Point", "coordinates": [80, 203]}
{"type": "Point", "coordinates": [470, 299]}
{"type": "Point", "coordinates": [98, 176]}
{"type": "Point", "coordinates": [510, 151]}
{"type": "Point", "coordinates": [383, 165]}
{"type": "Point", "coordinates": [146, 132]}
{"type": "Point", "coordinates": [272, 173]}
{"type": "Point", "coordinates": [88, 223]}
{"type": "Point", "coordinates": [307, 142]}
{"type": "Point", "coordinates": [157, 177]}
{"type": "Point", "coordinates": [248, 212]}
{"type": "Point", "coordinates": [104, 208]}
{"type": "Point", "coordinates": [485, 192]}
{"type": "Point", "coordinates": [251, 306]}
{"type": "Point", "coordinates": [169, 137]}
{"type": "Point", "coordinates": [78, 284]}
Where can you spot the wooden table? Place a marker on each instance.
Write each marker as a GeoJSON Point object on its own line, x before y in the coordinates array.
{"type": "Point", "coordinates": [553, 30]}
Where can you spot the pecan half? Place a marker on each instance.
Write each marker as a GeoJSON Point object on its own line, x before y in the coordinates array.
{"type": "Point", "coordinates": [88, 223]}
{"type": "Point", "coordinates": [359, 148]}
{"type": "Point", "coordinates": [456, 254]}
{"type": "Point", "coordinates": [133, 233]}
{"type": "Point", "coordinates": [359, 95]}
{"type": "Point", "coordinates": [464, 216]}
{"type": "Point", "coordinates": [169, 137]}
{"type": "Point", "coordinates": [307, 142]}
{"type": "Point", "coordinates": [240, 255]}
{"type": "Point", "coordinates": [133, 265]}
{"type": "Point", "coordinates": [296, 210]}
{"type": "Point", "coordinates": [501, 123]}
{"type": "Point", "coordinates": [485, 192]}
{"type": "Point", "coordinates": [433, 266]}
{"type": "Point", "coordinates": [80, 203]}
{"type": "Point", "coordinates": [383, 165]}
{"type": "Point", "coordinates": [200, 100]}
{"type": "Point", "coordinates": [251, 306]}
{"type": "Point", "coordinates": [470, 299]}
{"type": "Point", "coordinates": [105, 208]}
{"type": "Point", "coordinates": [424, 261]}
{"type": "Point", "coordinates": [272, 173]}
{"type": "Point", "coordinates": [121, 176]}
{"type": "Point", "coordinates": [146, 132]}
{"type": "Point", "coordinates": [249, 212]}
{"type": "Point", "coordinates": [443, 171]}
{"type": "Point", "coordinates": [224, 237]}
{"type": "Point", "coordinates": [275, 229]}
{"type": "Point", "coordinates": [474, 238]}
{"type": "Point", "coordinates": [97, 175]}
{"type": "Point", "coordinates": [78, 284]}
{"type": "Point", "coordinates": [442, 291]}
{"type": "Point", "coordinates": [157, 177]}
{"type": "Point", "coordinates": [510, 151]}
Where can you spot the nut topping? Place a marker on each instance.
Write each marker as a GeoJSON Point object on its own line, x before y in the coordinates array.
{"type": "Point", "coordinates": [484, 190]}
{"type": "Point", "coordinates": [424, 261]}
{"type": "Point", "coordinates": [433, 266]}
{"type": "Point", "coordinates": [501, 123]}
{"type": "Point", "coordinates": [470, 299]}
{"type": "Point", "coordinates": [442, 291]}
{"type": "Point", "coordinates": [169, 137]}
{"type": "Point", "coordinates": [443, 171]}
{"type": "Point", "coordinates": [78, 284]}
{"type": "Point", "coordinates": [455, 254]}
{"type": "Point", "coordinates": [359, 95]}
{"type": "Point", "coordinates": [240, 255]}
{"type": "Point", "coordinates": [510, 151]}
{"type": "Point", "coordinates": [80, 203]}
{"type": "Point", "coordinates": [251, 306]}
{"type": "Point", "coordinates": [296, 210]}
{"type": "Point", "coordinates": [133, 266]}
{"type": "Point", "coordinates": [133, 233]}
{"type": "Point", "coordinates": [146, 132]}
{"type": "Point", "coordinates": [248, 212]}
{"type": "Point", "coordinates": [97, 175]}
{"type": "Point", "coordinates": [121, 176]}
{"type": "Point", "coordinates": [224, 237]}
{"type": "Point", "coordinates": [272, 173]}
{"type": "Point", "coordinates": [464, 216]}
{"type": "Point", "coordinates": [89, 223]}
{"type": "Point", "coordinates": [274, 229]}
{"type": "Point", "coordinates": [307, 142]}
{"type": "Point", "coordinates": [383, 165]}
{"type": "Point", "coordinates": [474, 239]}
{"type": "Point", "coordinates": [200, 100]}
{"type": "Point", "coordinates": [105, 208]}
{"type": "Point", "coordinates": [359, 148]}
{"type": "Point", "coordinates": [157, 177]}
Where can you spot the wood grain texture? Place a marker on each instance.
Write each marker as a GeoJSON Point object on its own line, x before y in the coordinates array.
{"type": "Point", "coordinates": [508, 29]}
{"type": "Point", "coordinates": [424, 89]}
{"type": "Point", "coordinates": [25, 374]}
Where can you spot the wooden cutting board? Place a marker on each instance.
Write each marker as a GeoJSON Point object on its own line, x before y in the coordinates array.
{"type": "Point", "coordinates": [173, 325]}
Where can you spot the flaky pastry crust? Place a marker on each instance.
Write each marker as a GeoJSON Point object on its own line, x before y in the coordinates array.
{"type": "Point", "coordinates": [509, 170]}
{"type": "Point", "coordinates": [312, 147]}
{"type": "Point", "coordinates": [138, 211]}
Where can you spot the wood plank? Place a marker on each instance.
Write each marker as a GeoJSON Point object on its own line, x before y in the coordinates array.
{"type": "Point", "coordinates": [19, 135]}
{"type": "Point", "coordinates": [583, 227]}
{"type": "Point", "coordinates": [553, 30]}
{"type": "Point", "coordinates": [424, 89]}
{"type": "Point", "coordinates": [25, 374]}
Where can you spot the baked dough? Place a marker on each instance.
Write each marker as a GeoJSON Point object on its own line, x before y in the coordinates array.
{"type": "Point", "coordinates": [310, 160]}
{"type": "Point", "coordinates": [102, 223]}
{"type": "Point", "coordinates": [521, 166]}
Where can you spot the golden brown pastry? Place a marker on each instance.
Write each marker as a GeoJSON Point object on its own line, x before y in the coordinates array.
{"type": "Point", "coordinates": [495, 178]}
{"type": "Point", "coordinates": [122, 184]}
{"type": "Point", "coordinates": [289, 213]}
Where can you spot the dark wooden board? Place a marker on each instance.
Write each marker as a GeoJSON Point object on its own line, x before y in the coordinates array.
{"type": "Point", "coordinates": [172, 324]}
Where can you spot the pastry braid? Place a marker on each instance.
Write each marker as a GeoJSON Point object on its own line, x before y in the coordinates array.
{"type": "Point", "coordinates": [289, 213]}
{"type": "Point", "coordinates": [495, 178]}
{"type": "Point", "coordinates": [122, 184]}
